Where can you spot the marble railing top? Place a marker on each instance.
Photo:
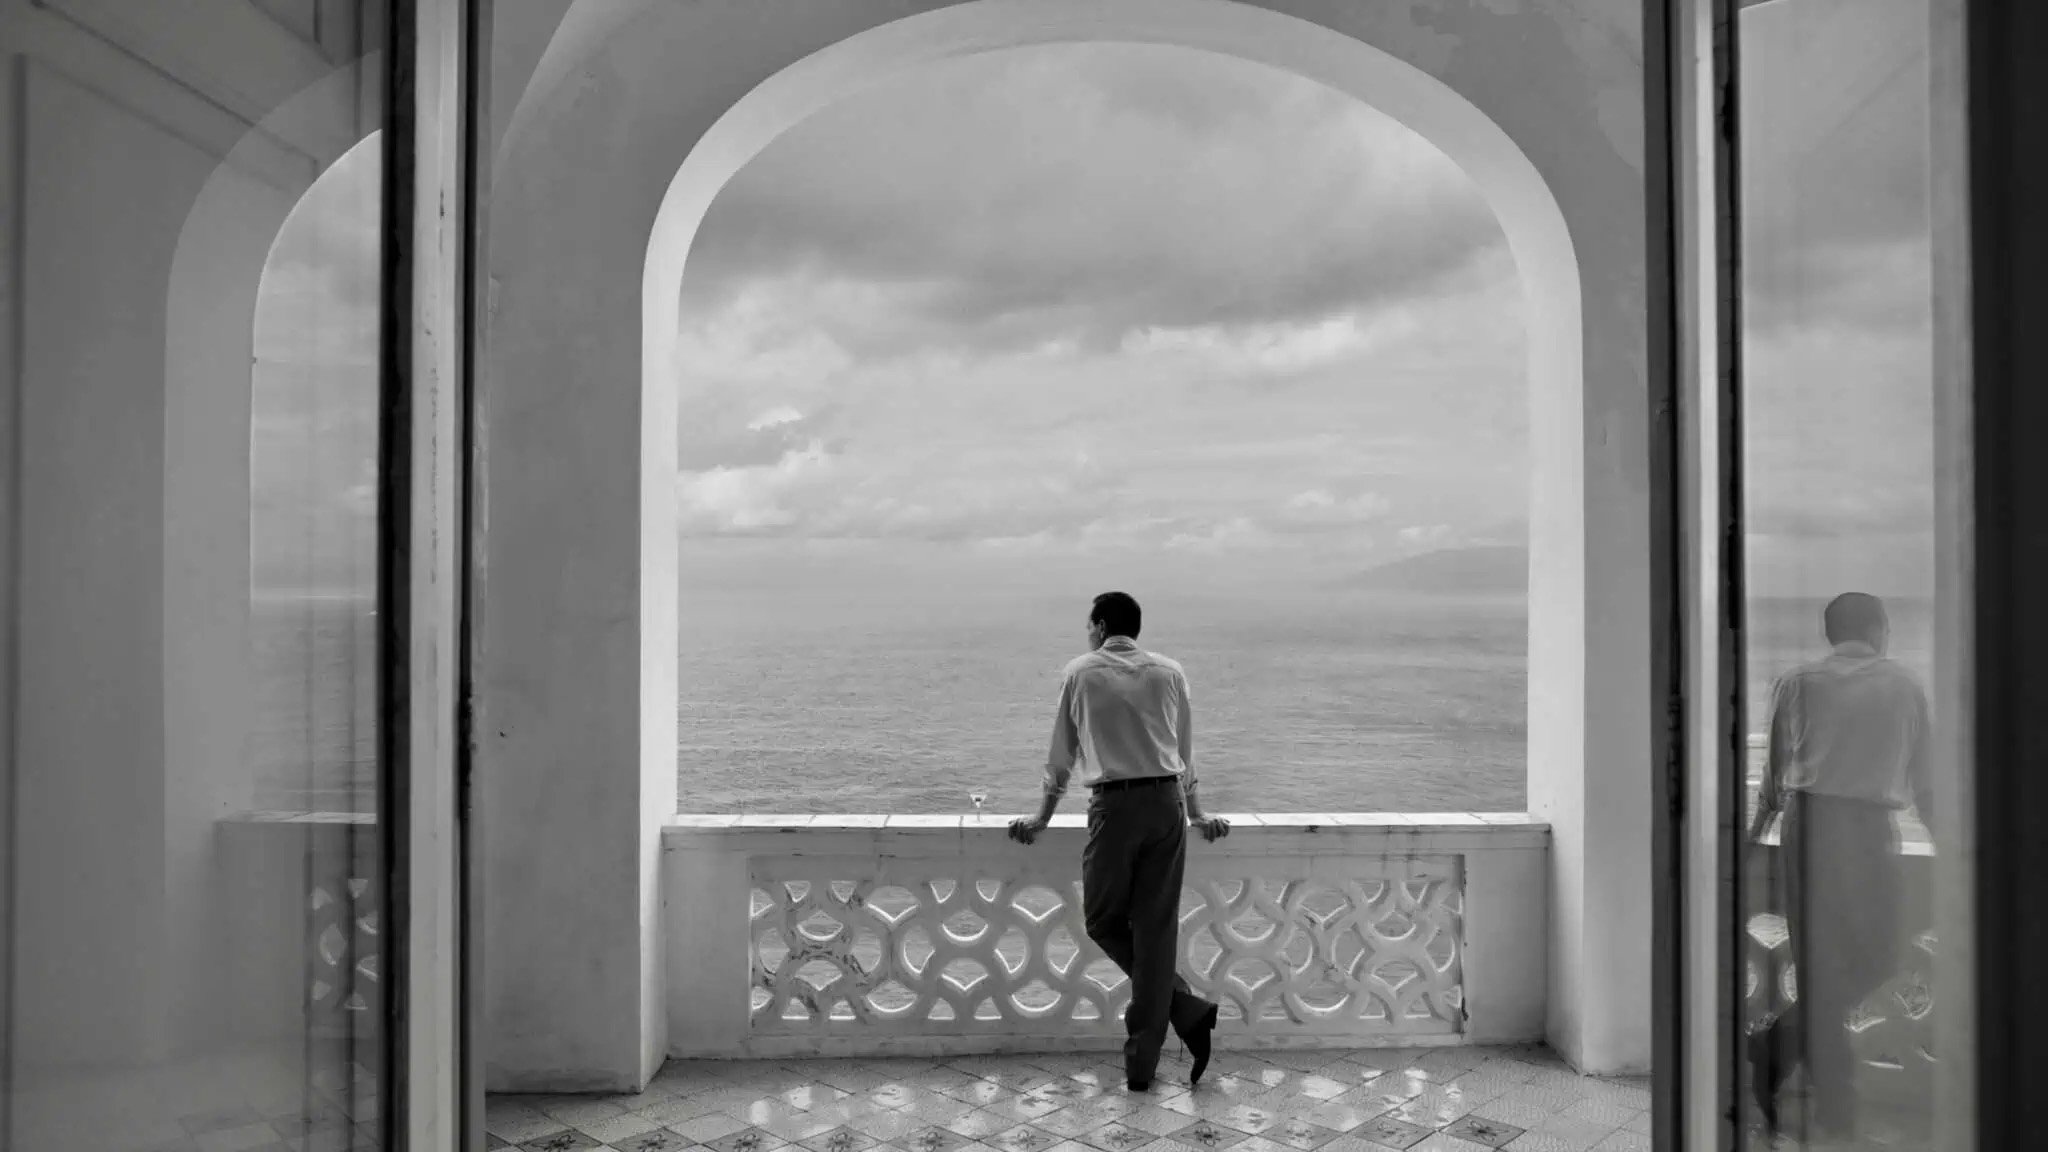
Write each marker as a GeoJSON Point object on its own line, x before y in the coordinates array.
{"type": "Point", "coordinates": [1251, 834]}
{"type": "Point", "coordinates": [998, 822]}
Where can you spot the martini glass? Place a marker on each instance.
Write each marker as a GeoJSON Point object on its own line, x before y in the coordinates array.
{"type": "Point", "coordinates": [979, 795]}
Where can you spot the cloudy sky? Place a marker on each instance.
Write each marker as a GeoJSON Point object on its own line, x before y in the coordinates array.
{"type": "Point", "coordinates": [1114, 307]}
{"type": "Point", "coordinates": [1124, 314]}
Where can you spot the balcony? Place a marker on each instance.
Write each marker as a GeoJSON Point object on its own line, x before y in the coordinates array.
{"type": "Point", "coordinates": [1345, 1100]}
{"type": "Point", "coordinates": [847, 982]}
{"type": "Point", "coordinates": [867, 936]}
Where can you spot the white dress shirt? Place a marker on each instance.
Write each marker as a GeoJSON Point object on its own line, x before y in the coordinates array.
{"type": "Point", "coordinates": [1123, 715]}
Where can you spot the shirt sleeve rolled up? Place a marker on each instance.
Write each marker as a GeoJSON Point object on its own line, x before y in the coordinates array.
{"type": "Point", "coordinates": [1184, 725]}
{"type": "Point", "coordinates": [1066, 743]}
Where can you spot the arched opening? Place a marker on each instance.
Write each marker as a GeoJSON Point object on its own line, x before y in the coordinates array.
{"type": "Point", "coordinates": [271, 380]}
{"type": "Point", "coordinates": [313, 436]}
{"type": "Point", "coordinates": [579, 599]}
{"type": "Point", "coordinates": [989, 337]}
{"type": "Point", "coordinates": [1520, 198]}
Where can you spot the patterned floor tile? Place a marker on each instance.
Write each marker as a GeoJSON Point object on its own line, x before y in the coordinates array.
{"type": "Point", "coordinates": [848, 1110]}
{"type": "Point", "coordinates": [1548, 1100]}
{"type": "Point", "coordinates": [839, 1140]}
{"type": "Point", "coordinates": [808, 1096]}
{"type": "Point", "coordinates": [1543, 1142]}
{"type": "Point", "coordinates": [1296, 1133]}
{"type": "Point", "coordinates": [521, 1127]}
{"type": "Point", "coordinates": [1339, 1118]}
{"type": "Point", "coordinates": [1022, 1138]}
{"type": "Point", "coordinates": [1433, 1108]}
{"type": "Point", "coordinates": [1506, 1110]}
{"type": "Point", "coordinates": [1208, 1136]}
{"type": "Point", "coordinates": [1479, 1130]}
{"type": "Point", "coordinates": [1115, 1137]}
{"type": "Point", "coordinates": [1063, 1090]}
{"type": "Point", "coordinates": [702, 1129]}
{"type": "Point", "coordinates": [746, 1140]}
{"type": "Point", "coordinates": [1316, 1086]}
{"type": "Point", "coordinates": [1070, 1123]}
{"type": "Point", "coordinates": [1156, 1119]}
{"type": "Point", "coordinates": [895, 1094]}
{"type": "Point", "coordinates": [1024, 1108]}
{"type": "Point", "coordinates": [931, 1138]}
{"type": "Point", "coordinates": [760, 1111]}
{"type": "Point", "coordinates": [1581, 1133]}
{"type": "Point", "coordinates": [1248, 1120]}
{"type": "Point", "coordinates": [1365, 1100]}
{"type": "Point", "coordinates": [801, 1126]}
{"type": "Point", "coordinates": [1600, 1112]}
{"type": "Point", "coordinates": [1445, 1142]}
{"type": "Point", "coordinates": [888, 1127]}
{"type": "Point", "coordinates": [933, 1108]}
{"type": "Point", "coordinates": [659, 1140]}
{"type": "Point", "coordinates": [1390, 1131]}
{"type": "Point", "coordinates": [980, 1093]}
{"type": "Point", "coordinates": [616, 1129]}
{"type": "Point", "coordinates": [568, 1140]}
{"type": "Point", "coordinates": [980, 1124]}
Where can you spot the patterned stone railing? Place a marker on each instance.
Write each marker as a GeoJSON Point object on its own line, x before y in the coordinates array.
{"type": "Point", "coordinates": [302, 902]}
{"type": "Point", "coordinates": [1891, 1032]}
{"type": "Point", "coordinates": [919, 934]}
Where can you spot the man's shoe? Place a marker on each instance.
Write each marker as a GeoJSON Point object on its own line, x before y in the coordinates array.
{"type": "Point", "coordinates": [1138, 1085]}
{"type": "Point", "coordinates": [1197, 1040]}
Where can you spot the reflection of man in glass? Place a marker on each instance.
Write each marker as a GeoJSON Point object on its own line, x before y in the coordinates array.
{"type": "Point", "coordinates": [1848, 748]}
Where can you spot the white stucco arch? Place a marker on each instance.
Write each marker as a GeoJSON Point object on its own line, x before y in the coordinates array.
{"type": "Point", "coordinates": [642, 111]}
{"type": "Point", "coordinates": [211, 308]}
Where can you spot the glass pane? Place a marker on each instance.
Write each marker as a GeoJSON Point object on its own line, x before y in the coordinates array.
{"type": "Point", "coordinates": [196, 889]}
{"type": "Point", "coordinates": [1850, 611]}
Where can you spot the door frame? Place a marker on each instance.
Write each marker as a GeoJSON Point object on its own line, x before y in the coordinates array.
{"type": "Point", "coordinates": [429, 150]}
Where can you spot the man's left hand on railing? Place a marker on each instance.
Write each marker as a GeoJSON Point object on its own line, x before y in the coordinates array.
{"type": "Point", "coordinates": [1212, 828]}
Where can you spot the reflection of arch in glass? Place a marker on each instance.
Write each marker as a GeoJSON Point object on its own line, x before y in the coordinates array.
{"type": "Point", "coordinates": [217, 274]}
{"type": "Point", "coordinates": [312, 495]}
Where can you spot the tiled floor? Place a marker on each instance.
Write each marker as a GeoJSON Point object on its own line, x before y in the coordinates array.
{"type": "Point", "coordinates": [1372, 1100]}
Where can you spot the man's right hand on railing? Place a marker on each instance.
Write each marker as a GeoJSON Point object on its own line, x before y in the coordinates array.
{"type": "Point", "coordinates": [1025, 829]}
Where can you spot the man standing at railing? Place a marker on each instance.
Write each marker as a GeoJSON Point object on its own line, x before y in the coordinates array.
{"type": "Point", "coordinates": [1847, 748]}
{"type": "Point", "coordinates": [1124, 718]}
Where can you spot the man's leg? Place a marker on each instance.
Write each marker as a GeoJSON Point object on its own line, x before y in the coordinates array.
{"type": "Point", "coordinates": [1106, 866]}
{"type": "Point", "coordinates": [1156, 877]}
{"type": "Point", "coordinates": [1852, 943]}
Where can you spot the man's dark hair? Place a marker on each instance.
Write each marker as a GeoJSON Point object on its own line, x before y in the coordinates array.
{"type": "Point", "coordinates": [1853, 616]}
{"type": "Point", "coordinates": [1117, 613]}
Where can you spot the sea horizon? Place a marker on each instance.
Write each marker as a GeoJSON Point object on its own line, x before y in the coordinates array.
{"type": "Point", "coordinates": [839, 702]}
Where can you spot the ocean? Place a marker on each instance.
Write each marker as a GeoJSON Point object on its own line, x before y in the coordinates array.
{"type": "Point", "coordinates": [1354, 701]}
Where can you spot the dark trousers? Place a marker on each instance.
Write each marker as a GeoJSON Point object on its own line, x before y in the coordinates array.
{"type": "Point", "coordinates": [1130, 895]}
{"type": "Point", "coordinates": [1839, 888]}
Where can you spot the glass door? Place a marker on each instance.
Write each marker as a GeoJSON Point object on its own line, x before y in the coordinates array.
{"type": "Point", "coordinates": [229, 454]}
{"type": "Point", "coordinates": [1825, 507]}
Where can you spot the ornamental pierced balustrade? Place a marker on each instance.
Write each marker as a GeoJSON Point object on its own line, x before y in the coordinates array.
{"type": "Point", "coordinates": [850, 935]}
{"type": "Point", "coordinates": [932, 946]}
{"type": "Point", "coordinates": [301, 891]}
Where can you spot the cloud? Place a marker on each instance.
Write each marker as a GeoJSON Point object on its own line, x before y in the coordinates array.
{"type": "Point", "coordinates": [774, 418]}
{"type": "Point", "coordinates": [1835, 165]}
{"type": "Point", "coordinates": [1428, 536]}
{"type": "Point", "coordinates": [751, 500]}
{"type": "Point", "coordinates": [1087, 193]}
{"type": "Point", "coordinates": [1235, 533]}
{"type": "Point", "coordinates": [1318, 510]}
